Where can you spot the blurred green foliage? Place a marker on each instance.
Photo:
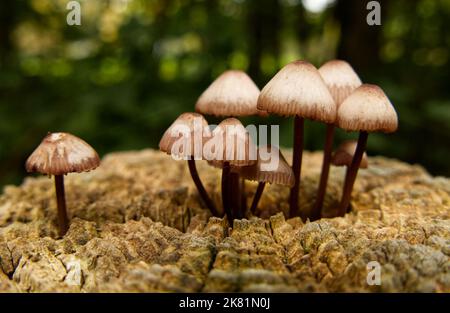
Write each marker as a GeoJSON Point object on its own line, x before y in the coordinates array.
{"type": "Point", "coordinates": [133, 66]}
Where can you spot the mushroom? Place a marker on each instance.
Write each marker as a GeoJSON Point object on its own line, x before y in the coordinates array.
{"type": "Point", "coordinates": [59, 154]}
{"type": "Point", "coordinates": [341, 80]}
{"type": "Point", "coordinates": [184, 139]}
{"type": "Point", "coordinates": [273, 170]}
{"type": "Point", "coordinates": [366, 110]}
{"type": "Point", "coordinates": [230, 146]}
{"type": "Point", "coordinates": [232, 94]}
{"type": "Point", "coordinates": [298, 90]}
{"type": "Point", "coordinates": [343, 156]}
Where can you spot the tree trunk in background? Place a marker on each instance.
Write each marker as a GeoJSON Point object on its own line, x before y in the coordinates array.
{"type": "Point", "coordinates": [302, 29]}
{"type": "Point", "coordinates": [263, 24]}
{"type": "Point", "coordinates": [359, 43]}
{"type": "Point", "coordinates": [7, 23]}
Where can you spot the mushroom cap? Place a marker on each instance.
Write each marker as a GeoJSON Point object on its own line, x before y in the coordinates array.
{"type": "Point", "coordinates": [62, 153]}
{"type": "Point", "coordinates": [340, 79]}
{"type": "Point", "coordinates": [233, 93]}
{"type": "Point", "coordinates": [298, 89]}
{"type": "Point", "coordinates": [186, 126]}
{"type": "Point", "coordinates": [367, 109]}
{"type": "Point", "coordinates": [343, 155]}
{"type": "Point", "coordinates": [278, 172]}
{"type": "Point", "coordinates": [232, 143]}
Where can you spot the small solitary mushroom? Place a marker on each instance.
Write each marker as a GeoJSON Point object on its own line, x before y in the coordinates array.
{"type": "Point", "coordinates": [341, 80]}
{"type": "Point", "coordinates": [60, 154]}
{"type": "Point", "coordinates": [366, 110]}
{"type": "Point", "coordinates": [185, 139]}
{"type": "Point", "coordinates": [230, 146]}
{"type": "Point", "coordinates": [271, 170]}
{"type": "Point", "coordinates": [298, 90]}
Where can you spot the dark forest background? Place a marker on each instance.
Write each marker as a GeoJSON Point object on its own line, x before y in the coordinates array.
{"type": "Point", "coordinates": [132, 67]}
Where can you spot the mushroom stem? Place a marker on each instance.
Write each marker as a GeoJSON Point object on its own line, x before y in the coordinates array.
{"type": "Point", "coordinates": [257, 197]}
{"type": "Point", "coordinates": [63, 221]}
{"type": "Point", "coordinates": [243, 197]}
{"type": "Point", "coordinates": [327, 150]}
{"type": "Point", "coordinates": [225, 191]}
{"type": "Point", "coordinates": [296, 165]}
{"type": "Point", "coordinates": [201, 189]}
{"type": "Point", "coordinates": [235, 195]}
{"type": "Point", "coordinates": [352, 171]}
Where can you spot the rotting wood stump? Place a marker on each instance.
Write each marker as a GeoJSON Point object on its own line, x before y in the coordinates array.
{"type": "Point", "coordinates": [137, 225]}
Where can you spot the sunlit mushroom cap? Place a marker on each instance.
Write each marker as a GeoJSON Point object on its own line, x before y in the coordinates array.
{"type": "Point", "coordinates": [343, 155]}
{"type": "Point", "coordinates": [230, 142]}
{"type": "Point", "coordinates": [340, 79]}
{"type": "Point", "coordinates": [367, 109]}
{"type": "Point", "coordinates": [62, 153]}
{"type": "Point", "coordinates": [232, 94]}
{"type": "Point", "coordinates": [270, 168]}
{"type": "Point", "coordinates": [186, 136]}
{"type": "Point", "coordinates": [298, 89]}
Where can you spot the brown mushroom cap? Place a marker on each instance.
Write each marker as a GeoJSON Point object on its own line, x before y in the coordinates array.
{"type": "Point", "coordinates": [186, 126]}
{"type": "Point", "coordinates": [343, 155]}
{"type": "Point", "coordinates": [298, 89]}
{"type": "Point", "coordinates": [367, 109]}
{"type": "Point", "coordinates": [282, 174]}
{"type": "Point", "coordinates": [242, 151]}
{"type": "Point", "coordinates": [62, 153]}
{"type": "Point", "coordinates": [232, 94]}
{"type": "Point", "coordinates": [340, 79]}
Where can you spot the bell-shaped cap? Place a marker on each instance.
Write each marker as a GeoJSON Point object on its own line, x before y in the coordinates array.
{"type": "Point", "coordinates": [62, 153]}
{"type": "Point", "coordinates": [343, 155]}
{"type": "Point", "coordinates": [233, 93]}
{"type": "Point", "coordinates": [340, 79]}
{"type": "Point", "coordinates": [270, 168]}
{"type": "Point", "coordinates": [367, 109]}
{"type": "Point", "coordinates": [230, 142]}
{"type": "Point", "coordinates": [186, 136]}
{"type": "Point", "coordinates": [298, 89]}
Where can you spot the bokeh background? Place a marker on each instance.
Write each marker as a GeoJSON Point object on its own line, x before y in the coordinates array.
{"type": "Point", "coordinates": [133, 66]}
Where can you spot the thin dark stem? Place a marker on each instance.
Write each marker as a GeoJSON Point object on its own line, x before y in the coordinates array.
{"type": "Point", "coordinates": [257, 197]}
{"type": "Point", "coordinates": [243, 197]}
{"type": "Point", "coordinates": [235, 195]}
{"type": "Point", "coordinates": [345, 183]}
{"type": "Point", "coordinates": [296, 166]}
{"type": "Point", "coordinates": [201, 189]}
{"type": "Point", "coordinates": [327, 150]}
{"type": "Point", "coordinates": [352, 171]}
{"type": "Point", "coordinates": [63, 221]}
{"type": "Point", "coordinates": [346, 176]}
{"type": "Point", "coordinates": [225, 192]}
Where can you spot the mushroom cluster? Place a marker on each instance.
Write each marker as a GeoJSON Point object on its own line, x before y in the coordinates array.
{"type": "Point", "coordinates": [332, 94]}
{"type": "Point", "coordinates": [228, 146]}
